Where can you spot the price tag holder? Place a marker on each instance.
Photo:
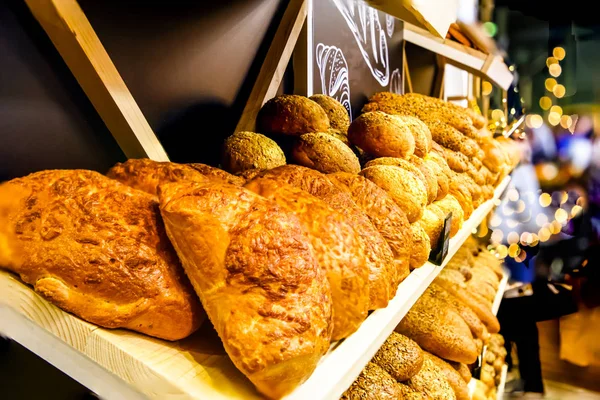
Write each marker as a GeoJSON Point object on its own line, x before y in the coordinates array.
{"type": "Point", "coordinates": [440, 251]}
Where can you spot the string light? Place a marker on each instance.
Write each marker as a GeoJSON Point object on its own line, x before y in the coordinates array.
{"type": "Point", "coordinates": [545, 199]}
{"type": "Point", "coordinates": [544, 234]}
{"type": "Point", "coordinates": [559, 53]}
{"type": "Point", "coordinates": [514, 250]}
{"type": "Point", "coordinates": [556, 227]}
{"type": "Point", "coordinates": [550, 83]}
{"type": "Point", "coordinates": [486, 88]}
{"type": "Point", "coordinates": [559, 91]}
{"type": "Point", "coordinates": [545, 102]}
{"type": "Point", "coordinates": [555, 70]}
{"type": "Point", "coordinates": [561, 216]}
{"type": "Point", "coordinates": [566, 121]}
{"type": "Point", "coordinates": [557, 110]}
{"type": "Point", "coordinates": [550, 61]}
{"type": "Point", "coordinates": [553, 118]}
{"type": "Point", "coordinates": [541, 219]}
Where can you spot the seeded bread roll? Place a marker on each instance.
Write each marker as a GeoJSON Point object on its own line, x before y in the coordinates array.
{"type": "Point", "coordinates": [382, 135]}
{"type": "Point", "coordinates": [457, 161]}
{"type": "Point", "coordinates": [421, 133]}
{"type": "Point", "coordinates": [291, 115]}
{"type": "Point", "coordinates": [424, 175]}
{"type": "Point", "coordinates": [441, 178]}
{"type": "Point", "coordinates": [373, 383]}
{"type": "Point", "coordinates": [409, 393]}
{"type": "Point", "coordinates": [338, 135]}
{"type": "Point", "coordinates": [248, 150]}
{"type": "Point", "coordinates": [400, 357]}
{"type": "Point", "coordinates": [433, 225]}
{"type": "Point", "coordinates": [421, 246]}
{"type": "Point", "coordinates": [462, 369]}
{"type": "Point", "coordinates": [463, 195]}
{"type": "Point", "coordinates": [437, 156]}
{"type": "Point", "coordinates": [449, 137]}
{"type": "Point", "coordinates": [495, 157]}
{"type": "Point", "coordinates": [325, 153]}
{"type": "Point", "coordinates": [336, 112]}
{"type": "Point", "coordinates": [405, 189]}
{"type": "Point", "coordinates": [452, 376]}
{"type": "Point", "coordinates": [431, 382]}
{"type": "Point", "coordinates": [430, 172]}
{"type": "Point", "coordinates": [448, 205]}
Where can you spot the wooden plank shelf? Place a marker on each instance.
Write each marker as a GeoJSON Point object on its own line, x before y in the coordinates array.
{"type": "Point", "coordinates": [118, 364]}
{"type": "Point", "coordinates": [488, 67]}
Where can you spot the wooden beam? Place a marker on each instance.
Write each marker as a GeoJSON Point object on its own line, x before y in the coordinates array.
{"type": "Point", "coordinates": [75, 39]}
{"type": "Point", "coordinates": [279, 54]}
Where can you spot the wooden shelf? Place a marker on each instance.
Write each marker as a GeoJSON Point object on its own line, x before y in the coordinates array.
{"type": "Point", "coordinates": [488, 67]}
{"type": "Point", "coordinates": [123, 364]}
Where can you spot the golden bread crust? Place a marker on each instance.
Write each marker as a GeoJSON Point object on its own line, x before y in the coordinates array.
{"type": "Point", "coordinates": [373, 383]}
{"type": "Point", "coordinates": [400, 357]}
{"type": "Point", "coordinates": [291, 115]}
{"type": "Point", "coordinates": [336, 112]}
{"type": "Point", "coordinates": [431, 382]}
{"type": "Point", "coordinates": [455, 380]}
{"type": "Point", "coordinates": [421, 246]}
{"type": "Point", "coordinates": [218, 174]}
{"type": "Point", "coordinates": [98, 249]}
{"type": "Point", "coordinates": [248, 150]}
{"type": "Point", "coordinates": [382, 135]}
{"type": "Point", "coordinates": [325, 153]}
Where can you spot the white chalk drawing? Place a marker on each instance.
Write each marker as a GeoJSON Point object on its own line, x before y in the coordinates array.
{"type": "Point", "coordinates": [333, 70]}
{"type": "Point", "coordinates": [390, 22]}
{"type": "Point", "coordinates": [396, 82]}
{"type": "Point", "coordinates": [364, 24]}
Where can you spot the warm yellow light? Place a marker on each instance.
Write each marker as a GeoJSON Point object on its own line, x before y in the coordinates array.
{"type": "Point", "coordinates": [564, 196]}
{"type": "Point", "coordinates": [497, 236]}
{"type": "Point", "coordinates": [555, 70]}
{"type": "Point", "coordinates": [576, 210]}
{"type": "Point", "coordinates": [549, 171]}
{"type": "Point", "coordinates": [553, 118]}
{"type": "Point", "coordinates": [545, 102]}
{"type": "Point", "coordinates": [544, 234]}
{"type": "Point", "coordinates": [555, 227]}
{"type": "Point", "coordinates": [545, 199]}
{"type": "Point", "coordinates": [513, 195]}
{"type": "Point", "coordinates": [495, 221]}
{"type": "Point", "coordinates": [497, 114]}
{"type": "Point", "coordinates": [541, 219]}
{"type": "Point", "coordinates": [559, 53]}
{"type": "Point", "coordinates": [521, 256]}
{"type": "Point", "coordinates": [507, 210]}
{"type": "Point", "coordinates": [486, 88]}
{"type": "Point", "coordinates": [483, 231]}
{"type": "Point", "coordinates": [501, 251]}
{"type": "Point", "coordinates": [526, 238]}
{"type": "Point", "coordinates": [511, 223]}
{"type": "Point", "coordinates": [550, 83]}
{"type": "Point", "coordinates": [561, 215]}
{"type": "Point", "coordinates": [580, 201]}
{"type": "Point", "coordinates": [513, 237]}
{"type": "Point", "coordinates": [566, 121]}
{"type": "Point", "coordinates": [559, 91]}
{"type": "Point", "coordinates": [535, 240]}
{"type": "Point", "coordinates": [534, 121]}
{"type": "Point", "coordinates": [514, 250]}
{"type": "Point", "coordinates": [556, 109]}
{"type": "Point", "coordinates": [520, 206]}
{"type": "Point", "coordinates": [550, 61]}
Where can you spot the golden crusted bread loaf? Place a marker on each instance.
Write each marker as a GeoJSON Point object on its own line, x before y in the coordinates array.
{"type": "Point", "coordinates": [430, 172]}
{"type": "Point", "coordinates": [382, 135]}
{"type": "Point", "coordinates": [421, 133]}
{"type": "Point", "coordinates": [462, 194]}
{"type": "Point", "coordinates": [457, 161]}
{"type": "Point", "coordinates": [424, 174]}
{"type": "Point", "coordinates": [441, 177]}
{"type": "Point", "coordinates": [431, 382]}
{"type": "Point", "coordinates": [325, 153]}
{"type": "Point", "coordinates": [339, 251]}
{"type": "Point", "coordinates": [404, 187]}
{"type": "Point", "coordinates": [408, 393]}
{"type": "Point", "coordinates": [477, 328]}
{"type": "Point", "coordinates": [254, 270]}
{"type": "Point", "coordinates": [462, 369]}
{"type": "Point", "coordinates": [439, 329]}
{"type": "Point", "coordinates": [448, 205]}
{"type": "Point", "coordinates": [495, 157]}
{"type": "Point", "coordinates": [455, 380]}
{"type": "Point", "coordinates": [146, 175]}
{"type": "Point", "coordinates": [248, 150]}
{"type": "Point", "coordinates": [98, 249]}
{"type": "Point", "coordinates": [385, 215]}
{"type": "Point", "coordinates": [421, 246]}
{"type": "Point", "coordinates": [373, 383]}
{"type": "Point", "coordinates": [433, 225]}
{"type": "Point", "coordinates": [338, 135]}
{"type": "Point", "coordinates": [380, 259]}
{"type": "Point", "coordinates": [400, 357]}
{"type": "Point", "coordinates": [336, 112]}
{"type": "Point", "coordinates": [218, 174]}
{"type": "Point", "coordinates": [291, 115]}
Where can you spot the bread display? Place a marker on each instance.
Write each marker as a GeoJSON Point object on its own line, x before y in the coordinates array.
{"type": "Point", "coordinates": [382, 135]}
{"type": "Point", "coordinates": [337, 248]}
{"type": "Point", "coordinates": [458, 385]}
{"type": "Point", "coordinates": [421, 246]}
{"type": "Point", "coordinates": [291, 115]}
{"type": "Point", "coordinates": [248, 150]}
{"type": "Point", "coordinates": [257, 277]}
{"type": "Point", "coordinates": [325, 153]}
{"type": "Point", "coordinates": [336, 112]}
{"type": "Point", "coordinates": [373, 383]}
{"type": "Point", "coordinates": [400, 357]}
{"type": "Point", "coordinates": [97, 248]}
{"type": "Point", "coordinates": [406, 190]}
{"type": "Point", "coordinates": [218, 174]}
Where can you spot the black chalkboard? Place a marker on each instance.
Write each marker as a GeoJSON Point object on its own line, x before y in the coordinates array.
{"type": "Point", "coordinates": [356, 52]}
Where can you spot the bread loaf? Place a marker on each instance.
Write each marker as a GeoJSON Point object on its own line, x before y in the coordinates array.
{"type": "Point", "coordinates": [421, 134]}
{"type": "Point", "coordinates": [448, 205]}
{"type": "Point", "coordinates": [336, 112]}
{"type": "Point", "coordinates": [441, 178]}
{"type": "Point", "coordinates": [407, 191]}
{"type": "Point", "coordinates": [471, 319]}
{"type": "Point", "coordinates": [431, 175]}
{"type": "Point", "coordinates": [380, 259]}
{"type": "Point", "coordinates": [382, 135]}
{"type": "Point", "coordinates": [248, 150]}
{"type": "Point", "coordinates": [255, 272]}
{"type": "Point", "coordinates": [338, 250]}
{"type": "Point", "coordinates": [98, 249]}
{"type": "Point", "coordinates": [462, 370]}
{"type": "Point", "coordinates": [456, 382]}
{"type": "Point", "coordinates": [421, 246]}
{"type": "Point", "coordinates": [373, 383]}
{"type": "Point", "coordinates": [431, 382]}
{"type": "Point", "coordinates": [325, 153]}
{"type": "Point", "coordinates": [408, 393]}
{"type": "Point", "coordinates": [291, 115]}
{"type": "Point", "coordinates": [457, 161]}
{"type": "Point", "coordinates": [218, 174]}
{"type": "Point", "coordinates": [433, 226]}
{"type": "Point", "coordinates": [400, 357]}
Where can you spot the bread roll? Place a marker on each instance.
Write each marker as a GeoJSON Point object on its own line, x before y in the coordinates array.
{"type": "Point", "coordinates": [449, 137]}
{"type": "Point", "coordinates": [336, 112]}
{"type": "Point", "coordinates": [421, 133]}
{"type": "Point", "coordinates": [248, 150]}
{"type": "Point", "coordinates": [380, 259]}
{"type": "Point", "coordinates": [424, 175]}
{"type": "Point", "coordinates": [249, 174]}
{"type": "Point", "coordinates": [431, 175]}
{"type": "Point", "coordinates": [339, 251]}
{"type": "Point", "coordinates": [400, 357]}
{"type": "Point", "coordinates": [439, 329]}
{"type": "Point", "coordinates": [97, 249]}
{"type": "Point", "coordinates": [291, 115]}
{"type": "Point", "coordinates": [338, 135]}
{"type": "Point", "coordinates": [432, 225]}
{"type": "Point", "coordinates": [462, 370]}
{"type": "Point", "coordinates": [431, 382]}
{"type": "Point", "coordinates": [471, 319]}
{"type": "Point", "coordinates": [407, 191]}
{"type": "Point", "coordinates": [382, 135]}
{"type": "Point", "coordinates": [408, 393]}
{"type": "Point", "coordinates": [462, 194]}
{"type": "Point", "coordinates": [146, 175]}
{"type": "Point", "coordinates": [373, 383]}
{"type": "Point", "coordinates": [457, 161]}
{"type": "Point", "coordinates": [254, 270]}
{"type": "Point", "coordinates": [448, 205]}
{"type": "Point", "coordinates": [385, 215]}
{"type": "Point", "coordinates": [218, 174]}
{"type": "Point", "coordinates": [456, 382]}
{"type": "Point", "coordinates": [325, 153]}
{"type": "Point", "coordinates": [495, 157]}
{"type": "Point", "coordinates": [421, 246]}
{"type": "Point", "coordinates": [441, 178]}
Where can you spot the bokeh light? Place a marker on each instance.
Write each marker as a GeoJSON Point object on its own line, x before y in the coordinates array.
{"type": "Point", "coordinates": [512, 237]}
{"type": "Point", "coordinates": [541, 219]}
{"type": "Point", "coordinates": [545, 199]}
{"type": "Point", "coordinates": [555, 70]}
{"type": "Point", "coordinates": [514, 250]}
{"type": "Point", "coordinates": [511, 223]}
{"type": "Point", "coordinates": [576, 210]}
{"type": "Point", "coordinates": [513, 194]}
{"type": "Point", "coordinates": [566, 121]}
{"type": "Point", "coordinates": [497, 236]}
{"type": "Point", "coordinates": [501, 251]}
{"type": "Point", "coordinates": [490, 29]}
{"type": "Point", "coordinates": [564, 196]}
{"type": "Point", "coordinates": [545, 102]}
{"type": "Point", "coordinates": [559, 91]}
{"type": "Point", "coordinates": [556, 109]}
{"type": "Point", "coordinates": [486, 88]}
{"type": "Point", "coordinates": [556, 227]}
{"type": "Point", "coordinates": [559, 53]}
{"type": "Point", "coordinates": [521, 256]}
{"type": "Point", "coordinates": [520, 206]}
{"type": "Point", "coordinates": [550, 83]}
{"type": "Point", "coordinates": [554, 118]}
{"type": "Point", "coordinates": [544, 234]}
{"type": "Point", "coordinates": [534, 121]}
{"type": "Point", "coordinates": [551, 61]}
{"type": "Point", "coordinates": [497, 114]}
{"type": "Point", "coordinates": [561, 215]}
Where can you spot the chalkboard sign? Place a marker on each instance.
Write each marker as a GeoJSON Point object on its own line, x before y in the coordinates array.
{"type": "Point", "coordinates": [355, 52]}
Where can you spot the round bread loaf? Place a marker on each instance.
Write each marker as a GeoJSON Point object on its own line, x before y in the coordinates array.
{"type": "Point", "coordinates": [400, 357]}
{"type": "Point", "coordinates": [404, 187]}
{"type": "Point", "coordinates": [382, 135]}
{"type": "Point", "coordinates": [292, 115]}
{"type": "Point", "coordinates": [462, 369]}
{"type": "Point", "coordinates": [433, 226]}
{"type": "Point", "coordinates": [431, 175]}
{"type": "Point", "coordinates": [336, 112]}
{"type": "Point", "coordinates": [431, 382]}
{"type": "Point", "coordinates": [409, 393]}
{"type": "Point", "coordinates": [447, 205]}
{"type": "Point", "coordinates": [424, 176]}
{"type": "Point", "coordinates": [325, 153]}
{"type": "Point", "coordinates": [248, 150]}
{"type": "Point", "coordinates": [373, 383]}
{"type": "Point", "coordinates": [421, 246]}
{"type": "Point", "coordinates": [421, 133]}
{"type": "Point", "coordinates": [452, 376]}
{"type": "Point", "coordinates": [441, 178]}
{"type": "Point", "coordinates": [338, 135]}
